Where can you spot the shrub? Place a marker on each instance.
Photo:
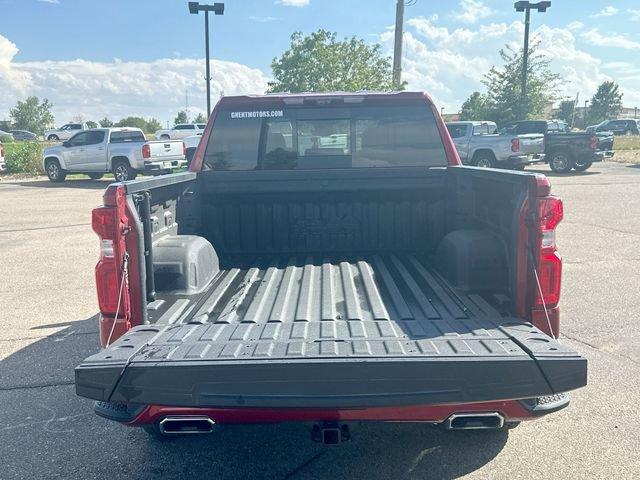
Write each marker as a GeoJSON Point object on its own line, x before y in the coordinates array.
{"type": "Point", "coordinates": [25, 157]}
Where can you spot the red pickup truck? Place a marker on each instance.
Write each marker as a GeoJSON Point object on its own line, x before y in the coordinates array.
{"type": "Point", "coordinates": [328, 260]}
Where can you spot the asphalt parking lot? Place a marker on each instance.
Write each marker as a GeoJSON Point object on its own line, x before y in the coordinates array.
{"type": "Point", "coordinates": [47, 314]}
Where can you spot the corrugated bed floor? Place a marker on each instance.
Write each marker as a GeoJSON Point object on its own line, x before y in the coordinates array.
{"type": "Point", "coordinates": [377, 306]}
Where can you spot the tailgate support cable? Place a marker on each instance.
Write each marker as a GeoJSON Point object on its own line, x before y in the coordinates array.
{"type": "Point", "coordinates": [544, 305]}
{"type": "Point", "coordinates": [123, 279]}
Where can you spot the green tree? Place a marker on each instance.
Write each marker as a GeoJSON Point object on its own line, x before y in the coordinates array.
{"type": "Point", "coordinates": [91, 124]}
{"type": "Point", "coordinates": [105, 123]}
{"type": "Point", "coordinates": [504, 86]}
{"type": "Point", "coordinates": [200, 118]}
{"type": "Point", "coordinates": [605, 103]}
{"type": "Point", "coordinates": [565, 110]}
{"type": "Point", "coordinates": [133, 122]}
{"type": "Point", "coordinates": [319, 63]}
{"type": "Point", "coordinates": [181, 118]}
{"type": "Point", "coordinates": [153, 124]}
{"type": "Point", "coordinates": [474, 107]}
{"type": "Point", "coordinates": [32, 115]}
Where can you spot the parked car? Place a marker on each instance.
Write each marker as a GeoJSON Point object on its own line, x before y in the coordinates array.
{"type": "Point", "coordinates": [621, 126]}
{"type": "Point", "coordinates": [292, 276]}
{"type": "Point", "coordinates": [191, 144]}
{"type": "Point", "coordinates": [181, 131]}
{"type": "Point", "coordinates": [123, 151]}
{"type": "Point", "coordinates": [478, 143]}
{"type": "Point", "coordinates": [562, 151]}
{"type": "Point", "coordinates": [3, 164]}
{"type": "Point", "coordinates": [65, 132]}
{"type": "Point", "coordinates": [6, 136]}
{"type": "Point", "coordinates": [23, 135]}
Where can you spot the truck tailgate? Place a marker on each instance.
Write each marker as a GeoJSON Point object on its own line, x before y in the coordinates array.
{"type": "Point", "coordinates": [372, 331]}
{"type": "Point", "coordinates": [531, 144]}
{"type": "Point", "coordinates": [165, 149]}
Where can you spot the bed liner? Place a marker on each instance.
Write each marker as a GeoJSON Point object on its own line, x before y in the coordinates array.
{"type": "Point", "coordinates": [378, 330]}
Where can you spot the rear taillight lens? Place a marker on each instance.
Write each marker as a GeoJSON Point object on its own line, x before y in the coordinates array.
{"type": "Point", "coordinates": [593, 143]}
{"type": "Point", "coordinates": [549, 268]}
{"type": "Point", "coordinates": [146, 151]}
{"type": "Point", "coordinates": [515, 145]}
{"type": "Point", "coordinates": [114, 269]}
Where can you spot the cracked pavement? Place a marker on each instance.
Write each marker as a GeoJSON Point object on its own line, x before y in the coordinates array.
{"type": "Point", "coordinates": [47, 313]}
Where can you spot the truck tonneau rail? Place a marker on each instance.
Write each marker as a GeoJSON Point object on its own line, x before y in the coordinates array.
{"type": "Point", "coordinates": [372, 331]}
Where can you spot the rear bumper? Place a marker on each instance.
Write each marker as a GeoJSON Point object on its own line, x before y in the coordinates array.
{"type": "Point", "coordinates": [511, 410]}
{"type": "Point", "coordinates": [161, 166]}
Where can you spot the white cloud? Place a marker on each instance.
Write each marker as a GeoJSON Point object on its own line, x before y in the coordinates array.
{"type": "Point", "coordinates": [54, 2]}
{"type": "Point", "coordinates": [449, 63]}
{"type": "Point", "coordinates": [472, 11]}
{"type": "Point", "coordinates": [293, 3]}
{"type": "Point", "coordinates": [606, 12]}
{"type": "Point", "coordinates": [573, 26]}
{"type": "Point", "coordinates": [594, 37]}
{"type": "Point", "coordinates": [120, 88]}
{"type": "Point", "coordinates": [254, 18]}
{"type": "Point", "coordinates": [635, 14]}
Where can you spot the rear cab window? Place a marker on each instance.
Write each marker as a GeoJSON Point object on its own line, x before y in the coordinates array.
{"type": "Point", "coordinates": [125, 137]}
{"type": "Point", "coordinates": [457, 130]}
{"type": "Point", "coordinates": [315, 137]}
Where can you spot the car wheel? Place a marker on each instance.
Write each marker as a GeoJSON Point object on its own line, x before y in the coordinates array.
{"type": "Point", "coordinates": [519, 168]}
{"type": "Point", "coordinates": [122, 171]}
{"type": "Point", "coordinates": [55, 173]}
{"type": "Point", "coordinates": [95, 176]}
{"type": "Point", "coordinates": [483, 161]}
{"type": "Point", "coordinates": [53, 138]}
{"type": "Point", "coordinates": [560, 162]}
{"type": "Point", "coordinates": [581, 167]}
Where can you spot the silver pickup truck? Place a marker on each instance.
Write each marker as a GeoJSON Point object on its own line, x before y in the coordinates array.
{"type": "Point", "coordinates": [125, 152]}
{"type": "Point", "coordinates": [479, 144]}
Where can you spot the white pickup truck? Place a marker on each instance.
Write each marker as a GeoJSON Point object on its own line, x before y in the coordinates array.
{"type": "Point", "coordinates": [180, 131]}
{"type": "Point", "coordinates": [123, 151]}
{"type": "Point", "coordinates": [65, 132]}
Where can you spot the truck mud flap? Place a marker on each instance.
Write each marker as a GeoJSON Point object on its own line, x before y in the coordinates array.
{"type": "Point", "coordinates": [185, 365]}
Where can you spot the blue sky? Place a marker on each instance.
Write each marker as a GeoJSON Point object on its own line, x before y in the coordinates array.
{"type": "Point", "coordinates": [95, 58]}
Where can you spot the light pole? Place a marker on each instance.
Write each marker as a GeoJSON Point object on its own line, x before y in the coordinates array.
{"type": "Point", "coordinates": [525, 6]}
{"type": "Point", "coordinates": [218, 9]}
{"type": "Point", "coordinates": [585, 113]}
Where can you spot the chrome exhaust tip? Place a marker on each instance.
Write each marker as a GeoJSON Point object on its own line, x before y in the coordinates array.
{"type": "Point", "coordinates": [186, 424]}
{"type": "Point", "coordinates": [474, 421]}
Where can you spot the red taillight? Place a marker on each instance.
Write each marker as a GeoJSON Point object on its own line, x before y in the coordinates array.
{"type": "Point", "coordinates": [116, 273]}
{"type": "Point", "coordinates": [146, 151]}
{"type": "Point", "coordinates": [515, 144]}
{"type": "Point", "coordinates": [593, 143]}
{"type": "Point", "coordinates": [549, 268]}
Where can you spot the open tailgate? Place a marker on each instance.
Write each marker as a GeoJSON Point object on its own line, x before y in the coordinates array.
{"type": "Point", "coordinates": [196, 366]}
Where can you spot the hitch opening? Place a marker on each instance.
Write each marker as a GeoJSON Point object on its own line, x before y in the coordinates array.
{"type": "Point", "coordinates": [330, 433]}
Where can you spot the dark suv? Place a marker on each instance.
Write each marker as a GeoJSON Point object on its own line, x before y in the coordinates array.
{"type": "Point", "coordinates": [623, 126]}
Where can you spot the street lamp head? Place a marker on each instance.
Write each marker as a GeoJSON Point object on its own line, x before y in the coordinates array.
{"type": "Point", "coordinates": [521, 6]}
{"type": "Point", "coordinates": [542, 6]}
{"type": "Point", "coordinates": [193, 7]}
{"type": "Point", "coordinates": [218, 8]}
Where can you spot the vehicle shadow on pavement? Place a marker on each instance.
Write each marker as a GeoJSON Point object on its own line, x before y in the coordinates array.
{"type": "Point", "coordinates": [550, 173]}
{"type": "Point", "coordinates": [46, 430]}
{"type": "Point", "coordinates": [72, 183]}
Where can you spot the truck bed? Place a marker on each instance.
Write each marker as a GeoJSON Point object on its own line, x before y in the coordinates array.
{"type": "Point", "coordinates": [329, 332]}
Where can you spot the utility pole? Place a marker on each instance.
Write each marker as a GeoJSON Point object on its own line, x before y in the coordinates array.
{"type": "Point", "coordinates": [526, 7]}
{"type": "Point", "coordinates": [186, 102]}
{"type": "Point", "coordinates": [585, 113]}
{"type": "Point", "coordinates": [575, 106]}
{"type": "Point", "coordinates": [397, 45]}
